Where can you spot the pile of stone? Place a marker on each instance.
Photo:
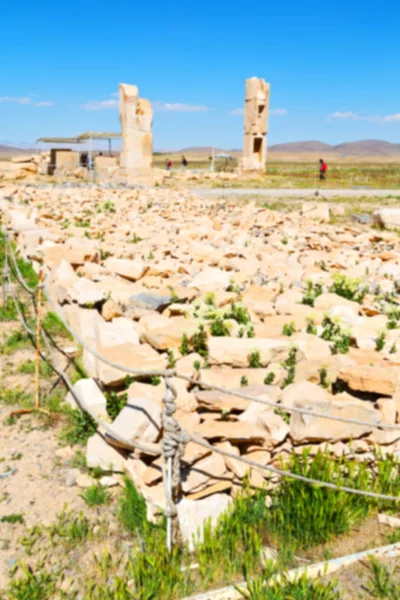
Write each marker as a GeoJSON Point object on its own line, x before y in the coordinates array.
{"type": "Point", "coordinates": [22, 167]}
{"type": "Point", "coordinates": [137, 273]}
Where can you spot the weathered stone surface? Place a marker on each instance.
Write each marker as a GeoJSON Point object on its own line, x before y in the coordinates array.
{"type": "Point", "coordinates": [134, 356]}
{"type": "Point", "coordinates": [211, 279]}
{"type": "Point", "coordinates": [140, 419]}
{"type": "Point", "coordinates": [388, 218]}
{"type": "Point", "coordinates": [193, 514]}
{"type": "Point", "coordinates": [100, 454]}
{"type": "Point", "coordinates": [198, 475]}
{"type": "Point", "coordinates": [255, 125]}
{"type": "Point", "coordinates": [237, 351]}
{"type": "Point", "coordinates": [329, 300]}
{"type": "Point", "coordinates": [171, 335]}
{"type": "Point", "coordinates": [231, 430]}
{"type": "Point", "coordinates": [130, 269]}
{"type": "Point", "coordinates": [86, 292]}
{"type": "Point", "coordinates": [110, 310]}
{"type": "Point", "coordinates": [90, 395]}
{"type": "Point", "coordinates": [307, 428]}
{"type": "Point", "coordinates": [377, 380]}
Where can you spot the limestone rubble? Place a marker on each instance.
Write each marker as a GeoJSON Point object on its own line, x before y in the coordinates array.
{"type": "Point", "coordinates": [138, 271]}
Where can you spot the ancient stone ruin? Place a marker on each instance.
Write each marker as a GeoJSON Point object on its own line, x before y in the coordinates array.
{"type": "Point", "coordinates": [136, 117]}
{"type": "Point", "coordinates": [255, 125]}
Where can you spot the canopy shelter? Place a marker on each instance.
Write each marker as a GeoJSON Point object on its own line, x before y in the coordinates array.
{"type": "Point", "coordinates": [59, 140]}
{"type": "Point", "coordinates": [88, 136]}
{"type": "Point", "coordinates": [95, 135]}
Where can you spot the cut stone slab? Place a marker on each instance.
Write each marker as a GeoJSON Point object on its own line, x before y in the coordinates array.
{"type": "Point", "coordinates": [171, 335]}
{"type": "Point", "coordinates": [102, 455]}
{"type": "Point", "coordinates": [237, 351]}
{"type": "Point", "coordinates": [211, 279]}
{"type": "Point", "coordinates": [329, 300]}
{"type": "Point", "coordinates": [85, 292]}
{"type": "Point", "coordinates": [304, 391]}
{"type": "Point", "coordinates": [235, 431]}
{"type": "Point", "coordinates": [197, 476]}
{"type": "Point", "coordinates": [130, 269]}
{"type": "Point", "coordinates": [377, 380]}
{"type": "Point", "coordinates": [89, 394]}
{"type": "Point", "coordinates": [119, 331]}
{"type": "Point", "coordinates": [388, 218]}
{"type": "Point", "coordinates": [238, 468]}
{"type": "Point", "coordinates": [140, 419]}
{"type": "Point", "coordinates": [307, 428]}
{"type": "Point", "coordinates": [135, 356]}
{"type": "Point", "coordinates": [192, 515]}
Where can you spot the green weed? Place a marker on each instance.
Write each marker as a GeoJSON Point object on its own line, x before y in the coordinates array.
{"type": "Point", "coordinates": [255, 360]}
{"type": "Point", "coordinates": [381, 583]}
{"type": "Point", "coordinates": [332, 332]}
{"type": "Point", "coordinates": [289, 329]}
{"type": "Point", "coordinates": [115, 403]}
{"type": "Point", "coordinates": [80, 427]}
{"type": "Point", "coordinates": [53, 325]}
{"type": "Point", "coordinates": [12, 518]}
{"type": "Point", "coordinates": [219, 328]}
{"type": "Point", "coordinates": [348, 288]}
{"type": "Point", "coordinates": [290, 365]}
{"type": "Point", "coordinates": [96, 495]}
{"type": "Point", "coordinates": [312, 292]}
{"type": "Point", "coordinates": [32, 586]}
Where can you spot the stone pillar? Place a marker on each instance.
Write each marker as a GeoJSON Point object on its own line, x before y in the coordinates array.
{"type": "Point", "coordinates": [136, 117]}
{"type": "Point", "coordinates": [255, 126]}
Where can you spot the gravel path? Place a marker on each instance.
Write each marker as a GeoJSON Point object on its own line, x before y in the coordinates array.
{"type": "Point", "coordinates": [289, 193]}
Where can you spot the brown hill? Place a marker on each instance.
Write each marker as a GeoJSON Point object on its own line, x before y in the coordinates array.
{"type": "Point", "coordinates": [358, 148]}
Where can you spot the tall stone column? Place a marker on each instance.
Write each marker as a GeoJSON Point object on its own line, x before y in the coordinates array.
{"type": "Point", "coordinates": [136, 117]}
{"type": "Point", "coordinates": [256, 109]}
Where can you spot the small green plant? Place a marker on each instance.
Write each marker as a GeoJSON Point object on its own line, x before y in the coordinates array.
{"type": "Point", "coordinates": [109, 206]}
{"type": "Point", "coordinates": [135, 239]}
{"type": "Point", "coordinates": [283, 414]}
{"type": "Point", "coordinates": [171, 359]}
{"type": "Point", "coordinates": [348, 288]}
{"type": "Point", "coordinates": [17, 340]}
{"type": "Point", "coordinates": [380, 341]}
{"type": "Point", "coordinates": [8, 312]}
{"type": "Point", "coordinates": [197, 365]}
{"type": "Point", "coordinates": [302, 588]}
{"type": "Point", "coordinates": [184, 348]}
{"type": "Point", "coordinates": [312, 292]}
{"type": "Point", "coordinates": [238, 313]}
{"type": "Point", "coordinates": [311, 328]}
{"type": "Point", "coordinates": [32, 586]}
{"type": "Point", "coordinates": [251, 332]}
{"type": "Point", "coordinates": [115, 403]}
{"type": "Point", "coordinates": [53, 325]}
{"type": "Point", "coordinates": [289, 329]}
{"type": "Point", "coordinates": [393, 348]}
{"type": "Point", "coordinates": [290, 365]}
{"type": "Point", "coordinates": [382, 583]}
{"type": "Point", "coordinates": [12, 518]}
{"type": "Point", "coordinates": [244, 382]}
{"type": "Point", "coordinates": [29, 368]}
{"type": "Point", "coordinates": [80, 428]}
{"type": "Point", "coordinates": [255, 360]}
{"type": "Point", "coordinates": [210, 299]}
{"type": "Point", "coordinates": [96, 495]}
{"type": "Point", "coordinates": [332, 332]}
{"type": "Point", "coordinates": [131, 509]}
{"type": "Point", "coordinates": [285, 239]}
{"type": "Point", "coordinates": [323, 377]}
{"type": "Point", "coordinates": [154, 380]}
{"type": "Point", "coordinates": [270, 378]}
{"type": "Point", "coordinates": [151, 255]}
{"type": "Point", "coordinates": [199, 342]}
{"type": "Point", "coordinates": [219, 328]}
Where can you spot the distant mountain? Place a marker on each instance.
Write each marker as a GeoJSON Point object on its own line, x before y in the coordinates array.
{"type": "Point", "coordinates": [312, 146]}
{"type": "Point", "coordinates": [359, 148]}
{"type": "Point", "coordinates": [13, 150]}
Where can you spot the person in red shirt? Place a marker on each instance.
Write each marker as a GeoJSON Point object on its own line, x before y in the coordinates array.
{"type": "Point", "coordinates": [323, 167]}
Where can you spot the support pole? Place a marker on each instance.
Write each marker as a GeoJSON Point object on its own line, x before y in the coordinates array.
{"type": "Point", "coordinates": [38, 334]}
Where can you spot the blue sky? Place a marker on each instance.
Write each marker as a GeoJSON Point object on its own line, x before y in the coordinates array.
{"type": "Point", "coordinates": [333, 67]}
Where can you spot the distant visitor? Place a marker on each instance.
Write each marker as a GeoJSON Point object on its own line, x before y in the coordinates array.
{"type": "Point", "coordinates": [168, 164]}
{"type": "Point", "coordinates": [323, 167]}
{"type": "Point", "coordinates": [184, 162]}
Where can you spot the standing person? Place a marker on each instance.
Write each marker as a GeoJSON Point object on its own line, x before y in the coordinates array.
{"type": "Point", "coordinates": [323, 167]}
{"type": "Point", "coordinates": [168, 164]}
{"type": "Point", "coordinates": [184, 163]}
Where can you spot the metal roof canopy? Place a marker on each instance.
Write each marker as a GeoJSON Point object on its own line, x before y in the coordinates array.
{"type": "Point", "coordinates": [79, 139]}
{"type": "Point", "coordinates": [59, 140]}
{"type": "Point", "coordinates": [94, 135]}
